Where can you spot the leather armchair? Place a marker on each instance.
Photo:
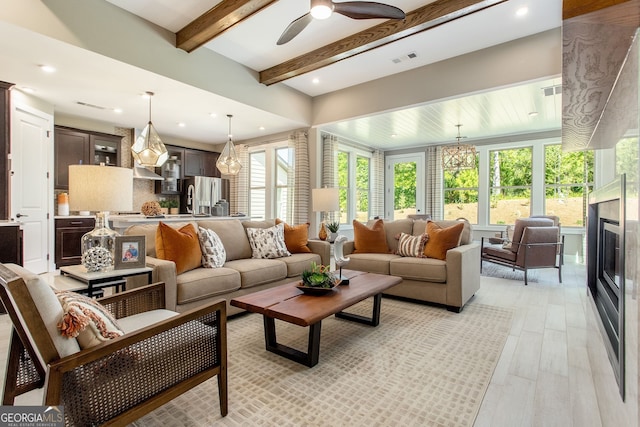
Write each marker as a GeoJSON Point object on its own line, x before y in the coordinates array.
{"type": "Point", "coordinates": [536, 244]}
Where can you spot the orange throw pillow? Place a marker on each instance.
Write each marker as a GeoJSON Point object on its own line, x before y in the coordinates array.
{"type": "Point", "coordinates": [369, 240]}
{"type": "Point", "coordinates": [180, 246]}
{"type": "Point", "coordinates": [441, 239]}
{"type": "Point", "coordinates": [296, 237]}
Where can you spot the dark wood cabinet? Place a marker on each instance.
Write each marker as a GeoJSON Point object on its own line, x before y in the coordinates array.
{"type": "Point", "coordinates": [168, 186]}
{"type": "Point", "coordinates": [193, 162]}
{"type": "Point", "coordinates": [69, 232]}
{"type": "Point", "coordinates": [74, 147]}
{"type": "Point", "coordinates": [210, 168]}
{"type": "Point", "coordinates": [11, 244]}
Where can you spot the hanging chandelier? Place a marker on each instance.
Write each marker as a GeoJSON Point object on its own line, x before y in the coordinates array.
{"type": "Point", "coordinates": [148, 150]}
{"type": "Point", "coordinates": [458, 156]}
{"type": "Point", "coordinates": [228, 163]}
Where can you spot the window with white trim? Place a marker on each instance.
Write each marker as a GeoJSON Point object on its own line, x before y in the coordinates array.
{"type": "Point", "coordinates": [354, 176]}
{"type": "Point", "coordinates": [269, 184]}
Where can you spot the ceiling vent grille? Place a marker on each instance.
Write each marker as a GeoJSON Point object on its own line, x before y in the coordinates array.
{"type": "Point", "coordinates": [86, 104]}
{"type": "Point", "coordinates": [552, 90]}
{"type": "Point", "coordinates": [408, 56]}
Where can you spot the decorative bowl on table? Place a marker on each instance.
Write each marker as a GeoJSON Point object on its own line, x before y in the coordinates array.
{"type": "Point", "coordinates": [318, 280]}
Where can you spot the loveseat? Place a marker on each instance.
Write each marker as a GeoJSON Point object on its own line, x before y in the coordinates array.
{"type": "Point", "coordinates": [450, 282]}
{"type": "Point", "coordinates": [241, 274]}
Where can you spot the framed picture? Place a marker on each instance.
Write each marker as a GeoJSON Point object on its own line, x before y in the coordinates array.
{"type": "Point", "coordinates": [130, 252]}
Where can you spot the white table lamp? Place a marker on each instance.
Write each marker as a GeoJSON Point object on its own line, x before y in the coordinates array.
{"type": "Point", "coordinates": [100, 189]}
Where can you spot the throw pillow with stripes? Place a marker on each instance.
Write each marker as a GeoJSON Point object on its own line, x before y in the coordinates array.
{"type": "Point", "coordinates": [413, 246]}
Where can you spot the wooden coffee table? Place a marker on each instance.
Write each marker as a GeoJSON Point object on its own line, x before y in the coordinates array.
{"type": "Point", "coordinates": [290, 304]}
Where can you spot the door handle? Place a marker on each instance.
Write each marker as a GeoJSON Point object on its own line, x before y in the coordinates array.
{"type": "Point", "coordinates": [19, 215]}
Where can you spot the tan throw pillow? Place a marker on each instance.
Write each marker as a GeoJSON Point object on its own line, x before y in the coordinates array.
{"type": "Point", "coordinates": [86, 319]}
{"type": "Point", "coordinates": [180, 246]}
{"type": "Point", "coordinates": [412, 246]}
{"type": "Point", "coordinates": [441, 239]}
{"type": "Point", "coordinates": [296, 237]}
{"type": "Point", "coordinates": [369, 240]}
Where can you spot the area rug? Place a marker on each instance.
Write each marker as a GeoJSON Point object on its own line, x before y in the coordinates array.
{"type": "Point", "coordinates": [490, 269]}
{"type": "Point", "coordinates": [422, 366]}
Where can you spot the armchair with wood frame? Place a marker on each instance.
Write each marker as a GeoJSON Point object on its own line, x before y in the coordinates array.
{"type": "Point", "coordinates": [536, 243]}
{"type": "Point", "coordinates": [161, 355]}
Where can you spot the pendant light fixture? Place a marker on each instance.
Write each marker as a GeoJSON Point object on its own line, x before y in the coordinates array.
{"type": "Point", "coordinates": [148, 150]}
{"type": "Point", "coordinates": [458, 156]}
{"type": "Point", "coordinates": [228, 163]}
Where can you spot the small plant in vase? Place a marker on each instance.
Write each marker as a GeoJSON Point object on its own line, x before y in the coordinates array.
{"type": "Point", "coordinates": [319, 276]}
{"type": "Point", "coordinates": [333, 229]}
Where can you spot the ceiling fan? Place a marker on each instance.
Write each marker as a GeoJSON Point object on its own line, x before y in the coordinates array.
{"type": "Point", "coordinates": [322, 9]}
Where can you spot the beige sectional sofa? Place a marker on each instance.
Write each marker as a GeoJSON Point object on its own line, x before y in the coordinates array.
{"type": "Point", "coordinates": [240, 274]}
{"type": "Point", "coordinates": [450, 282]}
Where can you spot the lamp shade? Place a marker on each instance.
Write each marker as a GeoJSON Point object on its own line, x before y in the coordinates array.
{"type": "Point", "coordinates": [324, 199]}
{"type": "Point", "coordinates": [100, 188]}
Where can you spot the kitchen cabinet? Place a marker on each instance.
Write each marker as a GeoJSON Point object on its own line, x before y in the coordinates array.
{"type": "Point", "coordinates": [11, 244]}
{"type": "Point", "coordinates": [193, 162]}
{"type": "Point", "coordinates": [168, 172]}
{"type": "Point", "coordinates": [79, 147]}
{"type": "Point", "coordinates": [69, 232]}
{"type": "Point", "coordinates": [210, 168]}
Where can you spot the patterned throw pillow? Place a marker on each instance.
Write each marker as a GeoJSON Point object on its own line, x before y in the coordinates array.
{"type": "Point", "coordinates": [509, 237]}
{"type": "Point", "coordinates": [86, 319]}
{"type": "Point", "coordinates": [413, 246]}
{"type": "Point", "coordinates": [213, 253]}
{"type": "Point", "coordinates": [268, 242]}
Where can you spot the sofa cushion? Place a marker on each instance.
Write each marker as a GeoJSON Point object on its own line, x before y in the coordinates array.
{"type": "Point", "coordinates": [297, 263]}
{"type": "Point", "coordinates": [521, 224]}
{"type": "Point", "coordinates": [135, 322]}
{"type": "Point", "coordinates": [466, 237]}
{"type": "Point", "coordinates": [442, 239]}
{"type": "Point", "coordinates": [202, 283]}
{"type": "Point", "coordinates": [87, 320]}
{"type": "Point", "coordinates": [393, 229]}
{"type": "Point", "coordinates": [425, 269]}
{"type": "Point", "coordinates": [254, 272]}
{"type": "Point", "coordinates": [369, 240]}
{"type": "Point", "coordinates": [412, 246]}
{"type": "Point", "coordinates": [371, 262]}
{"type": "Point", "coordinates": [499, 252]}
{"type": "Point", "coordinates": [213, 253]}
{"type": "Point", "coordinates": [233, 237]}
{"type": "Point", "coordinates": [259, 224]}
{"type": "Point", "coordinates": [180, 246]}
{"type": "Point", "coordinates": [268, 242]}
{"type": "Point", "coordinates": [296, 237]}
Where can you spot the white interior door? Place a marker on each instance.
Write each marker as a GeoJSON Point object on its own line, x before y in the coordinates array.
{"type": "Point", "coordinates": [31, 195]}
{"type": "Point", "coordinates": [404, 185]}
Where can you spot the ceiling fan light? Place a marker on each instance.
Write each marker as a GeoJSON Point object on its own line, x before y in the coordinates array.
{"type": "Point", "coordinates": [321, 9]}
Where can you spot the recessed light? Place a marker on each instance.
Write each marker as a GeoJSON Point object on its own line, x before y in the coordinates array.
{"type": "Point", "coordinates": [394, 135]}
{"type": "Point", "coordinates": [214, 115]}
{"type": "Point", "coordinates": [145, 96]}
{"type": "Point", "coordinates": [28, 89]}
{"type": "Point", "coordinates": [47, 68]}
{"type": "Point", "coordinates": [181, 124]}
{"type": "Point", "coordinates": [522, 11]}
{"type": "Point", "coordinates": [261, 128]}
{"type": "Point", "coordinates": [117, 110]}
{"type": "Point", "coordinates": [315, 81]}
{"type": "Point", "coordinates": [533, 113]}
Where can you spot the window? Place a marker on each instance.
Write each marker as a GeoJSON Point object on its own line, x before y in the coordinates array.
{"type": "Point", "coordinates": [568, 181]}
{"type": "Point", "coordinates": [510, 180]}
{"type": "Point", "coordinates": [269, 185]}
{"type": "Point", "coordinates": [354, 172]}
{"type": "Point", "coordinates": [461, 194]}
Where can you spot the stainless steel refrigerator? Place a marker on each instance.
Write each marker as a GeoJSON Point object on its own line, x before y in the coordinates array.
{"type": "Point", "coordinates": [201, 193]}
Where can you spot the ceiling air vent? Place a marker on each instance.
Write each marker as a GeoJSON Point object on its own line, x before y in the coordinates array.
{"type": "Point", "coordinates": [411, 55]}
{"type": "Point", "coordinates": [86, 104]}
{"type": "Point", "coordinates": [552, 90]}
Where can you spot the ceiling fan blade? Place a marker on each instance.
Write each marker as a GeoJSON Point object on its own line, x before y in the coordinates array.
{"type": "Point", "coordinates": [295, 28]}
{"type": "Point", "coordinates": [368, 10]}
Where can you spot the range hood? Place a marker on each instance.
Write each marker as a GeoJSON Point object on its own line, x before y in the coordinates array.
{"type": "Point", "coordinates": [140, 172]}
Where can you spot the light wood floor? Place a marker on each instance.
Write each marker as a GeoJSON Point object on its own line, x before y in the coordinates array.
{"type": "Point", "coordinates": [543, 377]}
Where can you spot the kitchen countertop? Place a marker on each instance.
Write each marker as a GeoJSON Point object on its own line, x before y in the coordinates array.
{"type": "Point", "coordinates": [124, 221]}
{"type": "Point", "coordinates": [74, 216]}
{"type": "Point", "coordinates": [7, 223]}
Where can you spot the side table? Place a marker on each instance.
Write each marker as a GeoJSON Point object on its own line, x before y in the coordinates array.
{"type": "Point", "coordinates": [96, 280]}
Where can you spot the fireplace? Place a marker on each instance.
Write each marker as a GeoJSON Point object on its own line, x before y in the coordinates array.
{"type": "Point", "coordinates": [605, 275]}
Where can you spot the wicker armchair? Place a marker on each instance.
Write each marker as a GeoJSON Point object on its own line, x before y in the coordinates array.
{"type": "Point", "coordinates": [116, 382]}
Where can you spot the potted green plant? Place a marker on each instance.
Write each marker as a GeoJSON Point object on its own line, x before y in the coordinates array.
{"type": "Point", "coordinates": [319, 276]}
{"type": "Point", "coordinates": [174, 206]}
{"type": "Point", "coordinates": [164, 206]}
{"type": "Point", "coordinates": [333, 230]}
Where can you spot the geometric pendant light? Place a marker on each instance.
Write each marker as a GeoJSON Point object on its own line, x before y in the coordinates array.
{"type": "Point", "coordinates": [458, 156]}
{"type": "Point", "coordinates": [148, 150]}
{"type": "Point", "coordinates": [228, 163]}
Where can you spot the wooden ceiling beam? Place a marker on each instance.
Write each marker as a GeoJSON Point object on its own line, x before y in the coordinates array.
{"type": "Point", "coordinates": [432, 15]}
{"type": "Point", "coordinates": [218, 19]}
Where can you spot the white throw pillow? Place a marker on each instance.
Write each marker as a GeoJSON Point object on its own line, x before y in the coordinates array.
{"type": "Point", "coordinates": [268, 242]}
{"type": "Point", "coordinates": [213, 253]}
{"type": "Point", "coordinates": [509, 237]}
